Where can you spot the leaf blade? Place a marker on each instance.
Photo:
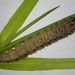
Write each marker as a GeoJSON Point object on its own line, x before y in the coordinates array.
{"type": "Point", "coordinates": [33, 64]}
{"type": "Point", "coordinates": [13, 18]}
{"type": "Point", "coordinates": [17, 19]}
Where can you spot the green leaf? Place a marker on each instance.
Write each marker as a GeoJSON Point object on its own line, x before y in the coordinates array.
{"type": "Point", "coordinates": [12, 20]}
{"type": "Point", "coordinates": [6, 42]}
{"type": "Point", "coordinates": [29, 36]}
{"type": "Point", "coordinates": [32, 64]}
{"type": "Point", "coordinates": [17, 19]}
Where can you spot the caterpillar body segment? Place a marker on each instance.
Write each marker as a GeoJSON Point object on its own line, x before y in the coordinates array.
{"type": "Point", "coordinates": [46, 36]}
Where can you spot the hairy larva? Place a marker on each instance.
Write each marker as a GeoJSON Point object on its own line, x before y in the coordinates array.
{"type": "Point", "coordinates": [58, 31]}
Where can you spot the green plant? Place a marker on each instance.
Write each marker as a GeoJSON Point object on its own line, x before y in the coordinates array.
{"type": "Point", "coordinates": [16, 21]}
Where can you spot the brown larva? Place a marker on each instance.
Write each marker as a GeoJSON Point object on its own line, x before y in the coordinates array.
{"type": "Point", "coordinates": [38, 41]}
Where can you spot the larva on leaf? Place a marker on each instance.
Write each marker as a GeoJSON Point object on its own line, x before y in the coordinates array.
{"type": "Point", "coordinates": [41, 38]}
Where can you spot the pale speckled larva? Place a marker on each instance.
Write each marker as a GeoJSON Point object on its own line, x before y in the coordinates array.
{"type": "Point", "coordinates": [59, 30]}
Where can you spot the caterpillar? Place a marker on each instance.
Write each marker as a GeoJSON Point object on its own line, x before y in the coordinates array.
{"type": "Point", "coordinates": [47, 36]}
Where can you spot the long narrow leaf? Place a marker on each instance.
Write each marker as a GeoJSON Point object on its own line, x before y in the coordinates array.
{"type": "Point", "coordinates": [12, 20]}
{"type": "Point", "coordinates": [31, 64]}
{"type": "Point", "coordinates": [6, 42]}
{"type": "Point", "coordinates": [17, 19]}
